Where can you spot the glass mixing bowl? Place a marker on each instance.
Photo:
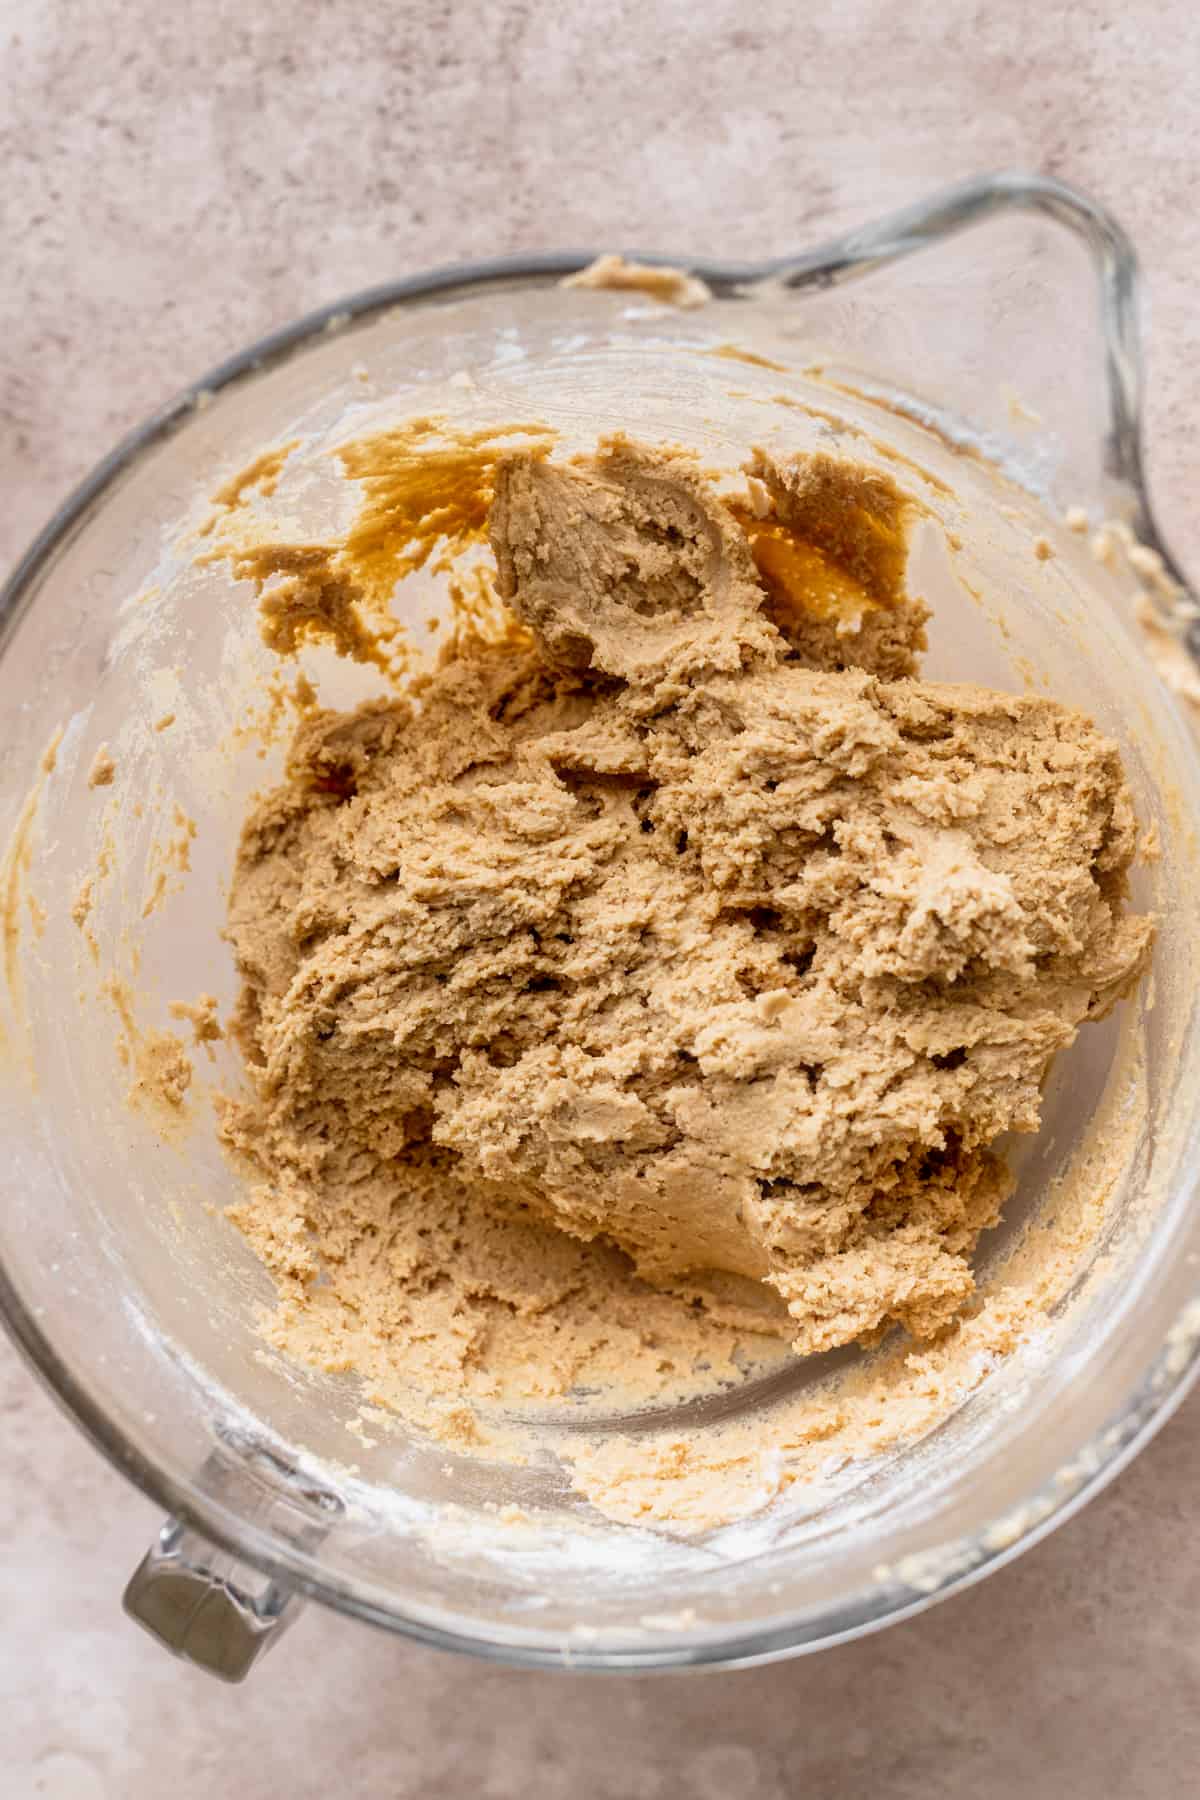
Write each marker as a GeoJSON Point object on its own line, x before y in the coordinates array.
{"type": "Point", "coordinates": [989, 338]}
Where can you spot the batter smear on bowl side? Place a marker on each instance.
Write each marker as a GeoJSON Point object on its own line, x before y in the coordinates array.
{"type": "Point", "coordinates": [654, 981]}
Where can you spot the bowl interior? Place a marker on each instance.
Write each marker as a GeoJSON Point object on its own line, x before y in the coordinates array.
{"type": "Point", "coordinates": [113, 1230]}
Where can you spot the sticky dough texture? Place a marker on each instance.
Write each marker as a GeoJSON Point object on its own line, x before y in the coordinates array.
{"type": "Point", "coordinates": [677, 930]}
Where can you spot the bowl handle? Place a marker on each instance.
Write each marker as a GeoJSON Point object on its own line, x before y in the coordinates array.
{"type": "Point", "coordinates": [213, 1606]}
{"type": "Point", "coordinates": [205, 1606]}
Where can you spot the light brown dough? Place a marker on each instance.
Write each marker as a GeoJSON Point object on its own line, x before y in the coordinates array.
{"type": "Point", "coordinates": [830, 542]}
{"type": "Point", "coordinates": [660, 935]}
{"type": "Point", "coordinates": [674, 287]}
{"type": "Point", "coordinates": [629, 566]}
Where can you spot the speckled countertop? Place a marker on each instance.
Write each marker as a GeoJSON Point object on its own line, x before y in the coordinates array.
{"type": "Point", "coordinates": [174, 187]}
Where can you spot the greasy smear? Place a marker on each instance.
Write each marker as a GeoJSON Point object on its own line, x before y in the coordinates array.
{"type": "Point", "coordinates": [800, 577]}
{"type": "Point", "coordinates": [14, 869]}
{"type": "Point", "coordinates": [260, 476]}
{"type": "Point", "coordinates": [837, 539]}
{"type": "Point", "coordinates": [168, 856]}
{"type": "Point", "coordinates": [15, 864]}
{"type": "Point", "coordinates": [425, 487]}
{"type": "Point", "coordinates": [734, 353]}
{"type": "Point", "coordinates": [829, 539]}
{"type": "Point", "coordinates": [958, 446]}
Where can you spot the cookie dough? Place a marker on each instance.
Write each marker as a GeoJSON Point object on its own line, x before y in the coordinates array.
{"type": "Point", "coordinates": [661, 281]}
{"type": "Point", "coordinates": [684, 925]}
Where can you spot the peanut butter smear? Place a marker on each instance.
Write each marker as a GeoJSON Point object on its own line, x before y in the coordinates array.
{"type": "Point", "coordinates": [426, 494]}
{"type": "Point", "coordinates": [654, 982]}
{"type": "Point", "coordinates": [830, 544]}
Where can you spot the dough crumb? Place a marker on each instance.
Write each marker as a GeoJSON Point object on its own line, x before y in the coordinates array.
{"type": "Point", "coordinates": [674, 287]}
{"type": "Point", "coordinates": [202, 1016]}
{"type": "Point", "coordinates": [157, 1060]}
{"type": "Point", "coordinates": [81, 906]}
{"type": "Point", "coordinates": [50, 753]}
{"type": "Point", "coordinates": [103, 769]}
{"type": "Point", "coordinates": [162, 1070]}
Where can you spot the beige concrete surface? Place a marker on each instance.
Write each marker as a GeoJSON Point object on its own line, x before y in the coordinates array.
{"type": "Point", "coordinates": [176, 181]}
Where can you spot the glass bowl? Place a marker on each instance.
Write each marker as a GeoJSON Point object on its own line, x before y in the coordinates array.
{"type": "Point", "coordinates": [985, 340]}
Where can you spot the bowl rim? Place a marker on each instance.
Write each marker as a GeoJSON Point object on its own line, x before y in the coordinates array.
{"type": "Point", "coordinates": [1177, 1364]}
